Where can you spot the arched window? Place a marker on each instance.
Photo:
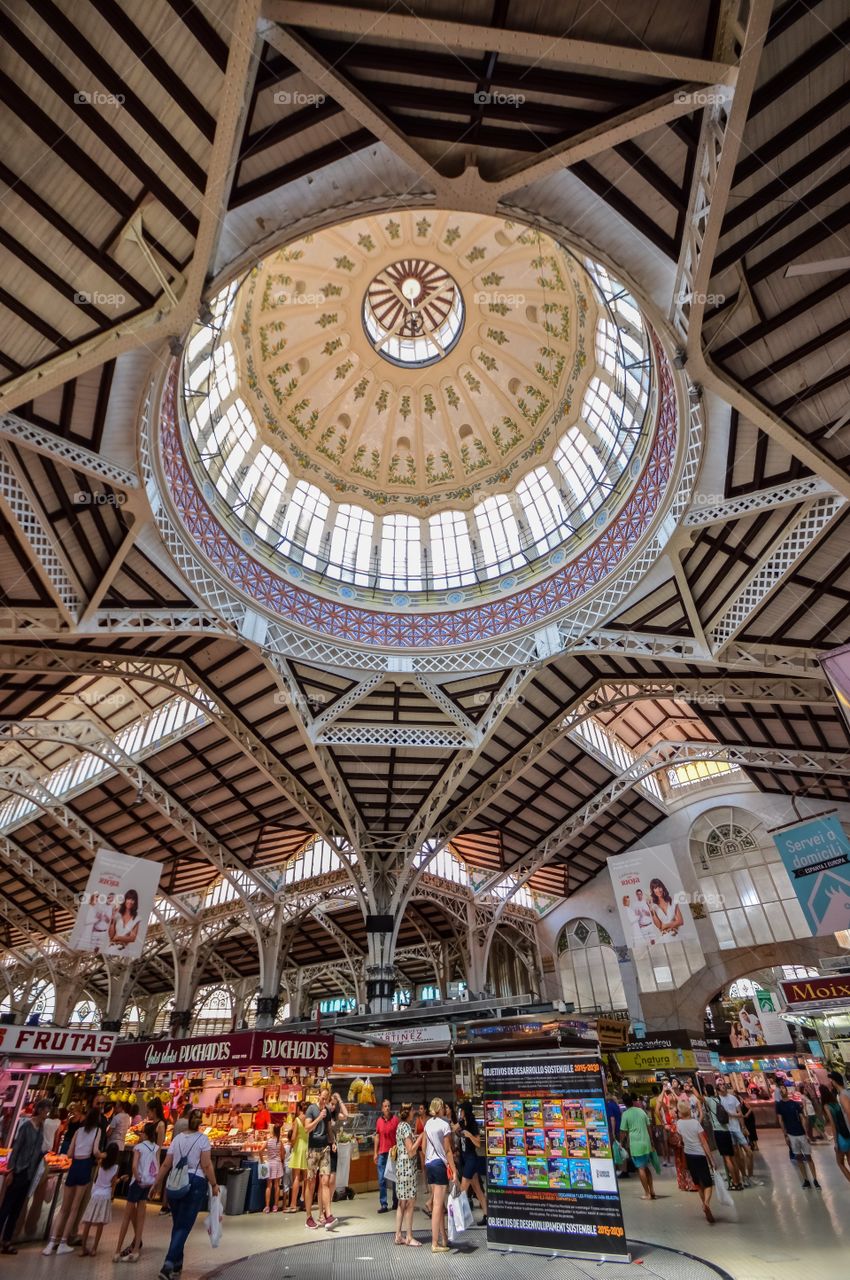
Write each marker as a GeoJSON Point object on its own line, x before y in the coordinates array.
{"type": "Point", "coordinates": [746, 890]}
{"type": "Point", "coordinates": [86, 1014]}
{"type": "Point", "coordinates": [589, 968]}
{"type": "Point", "coordinates": [214, 1014]}
{"type": "Point", "coordinates": [42, 1007]}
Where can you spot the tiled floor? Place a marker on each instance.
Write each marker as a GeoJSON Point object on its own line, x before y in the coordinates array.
{"type": "Point", "coordinates": [781, 1232]}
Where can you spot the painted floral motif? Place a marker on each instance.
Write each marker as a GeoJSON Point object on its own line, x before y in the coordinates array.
{"type": "Point", "coordinates": [393, 229]}
{"type": "Point", "coordinates": [489, 362]}
{"type": "Point", "coordinates": [402, 469]}
{"type": "Point", "coordinates": [342, 370]}
{"type": "Point", "coordinates": [366, 466]}
{"type": "Point", "coordinates": [366, 242]}
{"type": "Point", "coordinates": [405, 409]}
{"type": "Point", "coordinates": [451, 235]}
{"type": "Point", "coordinates": [344, 263]}
{"type": "Point", "coordinates": [439, 470]}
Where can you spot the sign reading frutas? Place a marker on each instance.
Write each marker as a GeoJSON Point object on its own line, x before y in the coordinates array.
{"type": "Point", "coordinates": [116, 906]}
{"type": "Point", "coordinates": [57, 1043]}
{"type": "Point", "coordinates": [816, 854]}
{"type": "Point", "coordinates": [551, 1182]}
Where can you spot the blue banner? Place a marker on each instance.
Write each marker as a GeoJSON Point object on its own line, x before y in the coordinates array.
{"type": "Point", "coordinates": [816, 854]}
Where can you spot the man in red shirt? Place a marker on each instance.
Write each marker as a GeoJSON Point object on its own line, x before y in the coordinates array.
{"type": "Point", "coordinates": [385, 1132]}
{"type": "Point", "coordinates": [262, 1118]}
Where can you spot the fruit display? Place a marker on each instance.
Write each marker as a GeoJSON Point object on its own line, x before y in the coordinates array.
{"type": "Point", "coordinates": [56, 1163]}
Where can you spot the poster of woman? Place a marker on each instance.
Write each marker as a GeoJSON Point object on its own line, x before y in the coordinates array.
{"type": "Point", "coordinates": [116, 906]}
{"type": "Point", "coordinates": [651, 898]}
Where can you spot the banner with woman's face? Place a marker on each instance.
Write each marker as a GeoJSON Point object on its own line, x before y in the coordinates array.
{"type": "Point", "coordinates": [116, 906]}
{"type": "Point", "coordinates": [653, 905]}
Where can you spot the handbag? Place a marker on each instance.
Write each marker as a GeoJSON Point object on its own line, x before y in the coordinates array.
{"type": "Point", "coordinates": [263, 1170]}
{"type": "Point", "coordinates": [655, 1161]}
{"type": "Point", "coordinates": [620, 1154]}
{"type": "Point", "coordinates": [177, 1184]}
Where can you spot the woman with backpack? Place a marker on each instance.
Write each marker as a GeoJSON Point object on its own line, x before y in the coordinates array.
{"type": "Point", "coordinates": [145, 1171]}
{"type": "Point", "coordinates": [188, 1169]}
{"type": "Point", "coordinates": [718, 1117]}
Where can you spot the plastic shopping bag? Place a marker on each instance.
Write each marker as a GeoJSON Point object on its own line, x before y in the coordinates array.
{"type": "Point", "coordinates": [466, 1209]}
{"type": "Point", "coordinates": [390, 1174]}
{"type": "Point", "coordinates": [724, 1196]}
{"type": "Point", "coordinates": [214, 1218]}
{"type": "Point", "coordinates": [455, 1214]}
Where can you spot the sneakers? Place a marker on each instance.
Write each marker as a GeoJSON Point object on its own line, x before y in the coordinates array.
{"type": "Point", "coordinates": [49, 1248]}
{"type": "Point", "coordinates": [383, 1209]}
{"type": "Point", "coordinates": [130, 1257]}
{"type": "Point", "coordinates": [807, 1186]}
{"type": "Point", "coordinates": [329, 1221]}
{"type": "Point", "coordinates": [312, 1224]}
{"type": "Point", "coordinates": [165, 1273]}
{"type": "Point", "coordinates": [62, 1247]}
{"type": "Point", "coordinates": [817, 1185]}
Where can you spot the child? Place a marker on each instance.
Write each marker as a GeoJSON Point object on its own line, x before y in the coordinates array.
{"type": "Point", "coordinates": [144, 1175]}
{"type": "Point", "coordinates": [99, 1208]}
{"type": "Point", "coordinates": [275, 1163]}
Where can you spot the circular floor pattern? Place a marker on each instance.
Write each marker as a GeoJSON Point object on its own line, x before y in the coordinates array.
{"type": "Point", "coordinates": [375, 1257]}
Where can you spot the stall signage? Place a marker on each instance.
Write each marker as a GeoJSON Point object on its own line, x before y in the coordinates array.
{"type": "Point", "coordinates": [657, 1060]}
{"type": "Point", "coordinates": [612, 1032]}
{"type": "Point", "coordinates": [241, 1049]}
{"type": "Point", "coordinates": [811, 991]}
{"type": "Point", "coordinates": [551, 1182]}
{"type": "Point", "coordinates": [408, 1039]}
{"type": "Point", "coordinates": [55, 1042]}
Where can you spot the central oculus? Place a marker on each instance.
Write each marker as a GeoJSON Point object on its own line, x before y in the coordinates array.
{"type": "Point", "coordinates": [413, 312]}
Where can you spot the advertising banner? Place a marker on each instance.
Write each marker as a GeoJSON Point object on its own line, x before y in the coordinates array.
{"type": "Point", "coordinates": [116, 906]}
{"type": "Point", "coordinates": [411, 1040]}
{"type": "Point", "coordinates": [816, 854]}
{"type": "Point", "coordinates": [239, 1049]}
{"type": "Point", "coordinates": [650, 898]}
{"type": "Point", "coordinates": [551, 1183]}
{"type": "Point", "coordinates": [836, 668]}
{"type": "Point", "coordinates": [57, 1043]}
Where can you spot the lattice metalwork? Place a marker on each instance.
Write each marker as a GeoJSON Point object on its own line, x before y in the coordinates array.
{"type": "Point", "coordinates": [72, 455]}
{"type": "Point", "coordinates": [393, 735]}
{"type": "Point", "coordinates": [781, 559]}
{"type": "Point", "coordinates": [703, 514]}
{"type": "Point", "coordinates": [20, 508]}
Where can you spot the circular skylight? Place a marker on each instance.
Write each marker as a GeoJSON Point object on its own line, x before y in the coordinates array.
{"type": "Point", "coordinates": [419, 411]}
{"type": "Point", "coordinates": [413, 312]}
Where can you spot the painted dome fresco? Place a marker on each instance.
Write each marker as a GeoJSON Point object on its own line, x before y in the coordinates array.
{"type": "Point", "coordinates": [418, 411]}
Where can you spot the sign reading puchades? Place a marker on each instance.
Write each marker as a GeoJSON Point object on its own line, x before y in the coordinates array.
{"type": "Point", "coordinates": [551, 1183]}
{"type": "Point", "coordinates": [60, 1044]}
{"type": "Point", "coordinates": [239, 1049]}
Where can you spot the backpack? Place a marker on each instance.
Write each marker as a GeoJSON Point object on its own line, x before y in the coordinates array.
{"type": "Point", "coordinates": [178, 1184]}
{"type": "Point", "coordinates": [148, 1165]}
{"type": "Point", "coordinates": [719, 1112]}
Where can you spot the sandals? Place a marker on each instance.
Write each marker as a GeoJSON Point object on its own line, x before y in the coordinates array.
{"type": "Point", "coordinates": [413, 1244]}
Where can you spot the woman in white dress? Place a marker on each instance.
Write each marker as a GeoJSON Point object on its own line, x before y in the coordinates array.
{"type": "Point", "coordinates": [666, 914]}
{"type": "Point", "coordinates": [124, 925]}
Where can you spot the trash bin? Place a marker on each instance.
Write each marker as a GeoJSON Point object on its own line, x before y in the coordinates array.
{"type": "Point", "coordinates": [255, 1198]}
{"type": "Point", "coordinates": [237, 1191]}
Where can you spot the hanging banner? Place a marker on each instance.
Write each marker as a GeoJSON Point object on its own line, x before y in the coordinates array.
{"type": "Point", "coordinates": [816, 854]}
{"type": "Point", "coordinates": [116, 906]}
{"type": "Point", "coordinates": [836, 668]}
{"type": "Point", "coordinates": [650, 898]}
{"type": "Point", "coordinates": [551, 1183]}
{"type": "Point", "coordinates": [826, 993]}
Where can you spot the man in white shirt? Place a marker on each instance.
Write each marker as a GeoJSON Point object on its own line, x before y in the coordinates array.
{"type": "Point", "coordinates": [116, 1130]}
{"type": "Point", "coordinates": [643, 916]}
{"type": "Point", "coordinates": [743, 1150]}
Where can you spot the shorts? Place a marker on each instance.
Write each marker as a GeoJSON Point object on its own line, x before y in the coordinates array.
{"type": "Point", "coordinates": [700, 1170]}
{"type": "Point", "coordinates": [436, 1173]}
{"type": "Point", "coordinates": [738, 1138]}
{"type": "Point", "coordinates": [137, 1194]}
{"type": "Point", "coordinates": [640, 1162]}
{"type": "Point", "coordinates": [79, 1174]}
{"type": "Point", "coordinates": [725, 1145]}
{"type": "Point", "coordinates": [799, 1145]}
{"type": "Point", "coordinates": [318, 1161]}
{"type": "Point", "coordinates": [843, 1143]}
{"type": "Point", "coordinates": [469, 1167]}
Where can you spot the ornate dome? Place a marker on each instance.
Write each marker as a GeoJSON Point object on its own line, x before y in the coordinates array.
{"type": "Point", "coordinates": [443, 414]}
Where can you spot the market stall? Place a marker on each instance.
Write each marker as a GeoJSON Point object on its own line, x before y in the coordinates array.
{"type": "Point", "coordinates": [38, 1063]}
{"type": "Point", "coordinates": [247, 1082]}
{"type": "Point", "coordinates": [678, 1054]}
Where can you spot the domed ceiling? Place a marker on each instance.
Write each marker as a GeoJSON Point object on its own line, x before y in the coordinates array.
{"type": "Point", "coordinates": [414, 360]}
{"type": "Point", "coordinates": [420, 429]}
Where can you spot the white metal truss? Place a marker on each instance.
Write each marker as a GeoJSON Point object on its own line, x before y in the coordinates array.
{"type": "Point", "coordinates": [48, 561]}
{"type": "Point", "coordinates": [393, 735]}
{"type": "Point", "coordinates": [90, 737]}
{"type": "Point", "coordinates": [72, 455]}
{"type": "Point", "coordinates": [450, 708]}
{"type": "Point", "coordinates": [344, 704]}
{"type": "Point", "coordinates": [703, 514]}
{"type": "Point", "coordinates": [663, 755]}
{"type": "Point", "coordinates": [780, 560]}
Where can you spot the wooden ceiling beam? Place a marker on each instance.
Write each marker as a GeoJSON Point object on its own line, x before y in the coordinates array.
{"type": "Point", "coordinates": [267, 183]}
{"type": "Point", "coordinates": [633, 214]}
{"type": "Point", "coordinates": [800, 127]}
{"type": "Point", "coordinates": [196, 21]}
{"type": "Point", "coordinates": [837, 284]}
{"type": "Point", "coordinates": [810, 60]}
{"type": "Point", "coordinates": [798, 206]}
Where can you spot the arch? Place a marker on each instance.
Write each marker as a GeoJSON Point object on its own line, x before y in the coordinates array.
{"type": "Point", "coordinates": [683, 1008]}
{"type": "Point", "coordinates": [511, 970]}
{"type": "Point", "coordinates": [589, 967]}
{"type": "Point", "coordinates": [213, 1011]}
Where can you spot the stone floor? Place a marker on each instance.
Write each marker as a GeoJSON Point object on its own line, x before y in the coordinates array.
{"type": "Point", "coordinates": [780, 1232]}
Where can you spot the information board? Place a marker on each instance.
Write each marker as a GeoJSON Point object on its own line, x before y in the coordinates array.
{"type": "Point", "coordinates": [551, 1182]}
